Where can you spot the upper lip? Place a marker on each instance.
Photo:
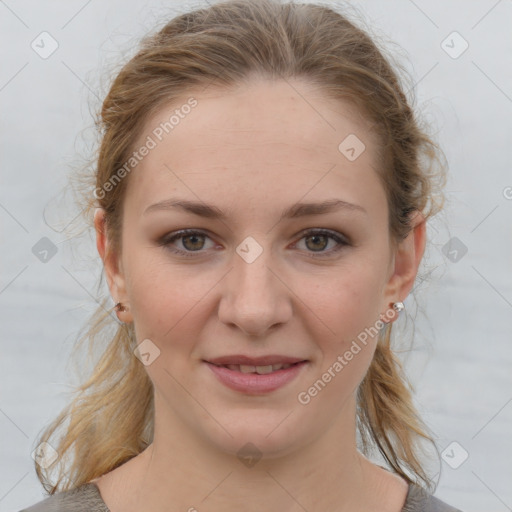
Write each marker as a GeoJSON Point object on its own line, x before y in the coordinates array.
{"type": "Point", "coordinates": [255, 361]}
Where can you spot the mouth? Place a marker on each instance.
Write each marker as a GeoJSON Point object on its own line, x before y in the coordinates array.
{"type": "Point", "coordinates": [260, 370]}
{"type": "Point", "coordinates": [256, 379]}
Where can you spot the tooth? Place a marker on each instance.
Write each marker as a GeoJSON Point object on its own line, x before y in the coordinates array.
{"type": "Point", "coordinates": [247, 368]}
{"type": "Point", "coordinates": [264, 369]}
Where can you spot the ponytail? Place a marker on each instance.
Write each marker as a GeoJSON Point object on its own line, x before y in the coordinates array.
{"type": "Point", "coordinates": [387, 417]}
{"type": "Point", "coordinates": [111, 417]}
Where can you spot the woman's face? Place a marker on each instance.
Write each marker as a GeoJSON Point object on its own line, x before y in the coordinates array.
{"type": "Point", "coordinates": [250, 281]}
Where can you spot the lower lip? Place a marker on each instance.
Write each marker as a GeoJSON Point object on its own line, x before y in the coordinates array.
{"type": "Point", "coordinates": [253, 383]}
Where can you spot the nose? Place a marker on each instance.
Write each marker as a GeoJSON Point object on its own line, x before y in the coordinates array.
{"type": "Point", "coordinates": [255, 296]}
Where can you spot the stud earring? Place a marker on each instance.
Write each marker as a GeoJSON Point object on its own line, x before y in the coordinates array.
{"type": "Point", "coordinates": [120, 307]}
{"type": "Point", "coordinates": [398, 306]}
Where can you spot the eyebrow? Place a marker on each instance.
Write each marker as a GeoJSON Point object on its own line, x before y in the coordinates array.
{"type": "Point", "coordinates": [295, 211]}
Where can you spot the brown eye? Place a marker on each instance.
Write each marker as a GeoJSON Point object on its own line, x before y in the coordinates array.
{"type": "Point", "coordinates": [191, 240]}
{"type": "Point", "coordinates": [317, 240]}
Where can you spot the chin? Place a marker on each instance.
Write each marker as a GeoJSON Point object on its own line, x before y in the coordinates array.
{"type": "Point", "coordinates": [255, 436]}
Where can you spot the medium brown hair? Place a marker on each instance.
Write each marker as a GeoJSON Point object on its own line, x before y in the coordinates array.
{"type": "Point", "coordinates": [111, 418]}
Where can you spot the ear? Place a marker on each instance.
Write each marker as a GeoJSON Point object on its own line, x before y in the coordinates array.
{"type": "Point", "coordinates": [112, 265]}
{"type": "Point", "coordinates": [405, 264]}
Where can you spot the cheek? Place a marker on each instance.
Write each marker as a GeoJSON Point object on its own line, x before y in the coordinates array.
{"type": "Point", "coordinates": [165, 299]}
{"type": "Point", "coordinates": [348, 309]}
{"type": "Point", "coordinates": [345, 301]}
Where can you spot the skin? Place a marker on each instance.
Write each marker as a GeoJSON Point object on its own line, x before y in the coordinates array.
{"type": "Point", "coordinates": [252, 152]}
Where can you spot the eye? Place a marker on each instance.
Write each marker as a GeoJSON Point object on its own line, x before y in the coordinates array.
{"type": "Point", "coordinates": [319, 240]}
{"type": "Point", "coordinates": [193, 241]}
{"type": "Point", "coordinates": [190, 239]}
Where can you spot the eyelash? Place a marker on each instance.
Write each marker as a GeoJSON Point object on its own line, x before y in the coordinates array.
{"type": "Point", "coordinates": [166, 241]}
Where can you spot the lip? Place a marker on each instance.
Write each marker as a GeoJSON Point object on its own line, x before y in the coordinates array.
{"type": "Point", "coordinates": [253, 383]}
{"type": "Point", "coordinates": [255, 361]}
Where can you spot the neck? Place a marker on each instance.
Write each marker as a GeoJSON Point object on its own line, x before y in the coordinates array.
{"type": "Point", "coordinates": [185, 472]}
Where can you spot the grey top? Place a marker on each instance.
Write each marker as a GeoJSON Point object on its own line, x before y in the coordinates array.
{"type": "Point", "coordinates": [87, 498]}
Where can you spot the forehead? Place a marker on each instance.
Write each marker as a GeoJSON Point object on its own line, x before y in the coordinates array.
{"type": "Point", "coordinates": [261, 138]}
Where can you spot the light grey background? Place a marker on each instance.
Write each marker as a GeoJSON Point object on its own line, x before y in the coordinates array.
{"type": "Point", "coordinates": [462, 356]}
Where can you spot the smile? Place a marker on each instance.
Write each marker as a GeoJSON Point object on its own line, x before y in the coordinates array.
{"type": "Point", "coordinates": [260, 370]}
{"type": "Point", "coordinates": [256, 380]}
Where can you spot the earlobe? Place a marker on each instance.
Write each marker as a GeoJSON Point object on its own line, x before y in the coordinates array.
{"type": "Point", "coordinates": [392, 313]}
{"type": "Point", "coordinates": [115, 279]}
{"type": "Point", "coordinates": [407, 258]}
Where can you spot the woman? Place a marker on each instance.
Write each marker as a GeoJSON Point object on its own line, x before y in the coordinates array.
{"type": "Point", "coordinates": [260, 207]}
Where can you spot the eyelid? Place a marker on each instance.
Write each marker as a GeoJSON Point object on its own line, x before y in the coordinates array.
{"type": "Point", "coordinates": [167, 240]}
{"type": "Point", "coordinates": [324, 231]}
{"type": "Point", "coordinates": [341, 239]}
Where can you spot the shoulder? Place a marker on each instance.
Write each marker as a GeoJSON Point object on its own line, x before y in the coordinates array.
{"type": "Point", "coordinates": [420, 500]}
{"type": "Point", "coordinates": [85, 498]}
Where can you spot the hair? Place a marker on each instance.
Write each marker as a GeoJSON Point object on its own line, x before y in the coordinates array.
{"type": "Point", "coordinates": [111, 418]}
